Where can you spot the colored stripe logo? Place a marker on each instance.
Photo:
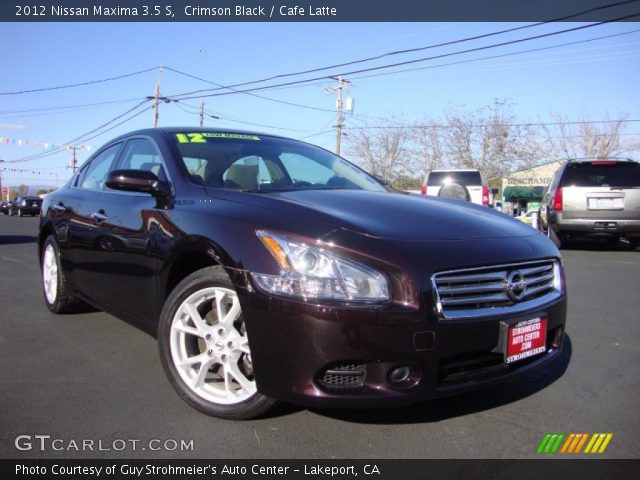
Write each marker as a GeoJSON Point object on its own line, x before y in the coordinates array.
{"type": "Point", "coordinates": [574, 443]}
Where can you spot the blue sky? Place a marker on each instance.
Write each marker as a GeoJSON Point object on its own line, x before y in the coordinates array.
{"type": "Point", "coordinates": [599, 78]}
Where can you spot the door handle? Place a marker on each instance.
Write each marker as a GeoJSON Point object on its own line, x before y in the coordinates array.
{"type": "Point", "coordinates": [99, 217]}
{"type": "Point", "coordinates": [59, 208]}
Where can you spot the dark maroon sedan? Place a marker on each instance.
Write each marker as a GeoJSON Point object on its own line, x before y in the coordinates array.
{"type": "Point", "coordinates": [273, 269]}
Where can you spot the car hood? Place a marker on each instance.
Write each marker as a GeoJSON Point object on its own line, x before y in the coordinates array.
{"type": "Point", "coordinates": [393, 216]}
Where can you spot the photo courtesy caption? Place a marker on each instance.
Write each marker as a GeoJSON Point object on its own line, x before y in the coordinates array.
{"type": "Point", "coordinates": [138, 471]}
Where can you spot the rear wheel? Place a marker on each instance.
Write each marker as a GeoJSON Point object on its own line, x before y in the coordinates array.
{"type": "Point", "coordinates": [204, 347]}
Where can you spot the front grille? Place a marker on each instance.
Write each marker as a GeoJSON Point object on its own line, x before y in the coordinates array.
{"type": "Point", "coordinates": [346, 376]}
{"type": "Point", "coordinates": [501, 289]}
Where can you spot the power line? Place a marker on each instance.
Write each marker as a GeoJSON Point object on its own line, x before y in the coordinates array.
{"type": "Point", "coordinates": [407, 62]}
{"type": "Point", "coordinates": [64, 107]}
{"type": "Point", "coordinates": [230, 119]}
{"type": "Point", "coordinates": [91, 82]}
{"type": "Point", "coordinates": [480, 125]}
{"type": "Point", "coordinates": [492, 57]}
{"type": "Point", "coordinates": [427, 47]}
{"type": "Point", "coordinates": [309, 107]}
{"type": "Point", "coordinates": [81, 138]}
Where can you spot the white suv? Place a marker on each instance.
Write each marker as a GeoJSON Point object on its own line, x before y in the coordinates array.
{"type": "Point", "coordinates": [460, 184]}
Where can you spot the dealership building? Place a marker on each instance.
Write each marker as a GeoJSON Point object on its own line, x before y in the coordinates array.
{"type": "Point", "coordinates": [523, 190]}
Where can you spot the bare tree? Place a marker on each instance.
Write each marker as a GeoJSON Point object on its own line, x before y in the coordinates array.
{"type": "Point", "coordinates": [428, 146]}
{"type": "Point", "coordinates": [384, 151]}
{"type": "Point", "coordinates": [490, 139]}
{"type": "Point", "coordinates": [586, 138]}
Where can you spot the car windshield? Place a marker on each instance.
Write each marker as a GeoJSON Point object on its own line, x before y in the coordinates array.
{"type": "Point", "coordinates": [602, 174]}
{"type": "Point", "coordinates": [459, 177]}
{"type": "Point", "coordinates": [262, 164]}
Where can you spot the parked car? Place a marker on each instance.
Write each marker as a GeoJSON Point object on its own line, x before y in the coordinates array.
{"type": "Point", "coordinates": [5, 207]}
{"type": "Point", "coordinates": [25, 205]}
{"type": "Point", "coordinates": [460, 184]}
{"type": "Point", "coordinates": [595, 197]}
{"type": "Point", "coordinates": [271, 269]}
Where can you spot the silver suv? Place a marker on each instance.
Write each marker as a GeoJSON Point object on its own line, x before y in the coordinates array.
{"type": "Point", "coordinates": [593, 197]}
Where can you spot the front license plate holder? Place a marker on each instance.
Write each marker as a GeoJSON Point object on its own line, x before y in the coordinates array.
{"type": "Point", "coordinates": [525, 339]}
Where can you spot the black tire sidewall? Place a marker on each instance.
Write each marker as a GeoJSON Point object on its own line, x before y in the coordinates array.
{"type": "Point", "coordinates": [204, 278]}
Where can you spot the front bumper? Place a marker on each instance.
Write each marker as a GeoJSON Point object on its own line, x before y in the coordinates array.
{"type": "Point", "coordinates": [294, 343]}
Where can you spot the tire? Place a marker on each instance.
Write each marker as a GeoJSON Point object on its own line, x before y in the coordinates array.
{"type": "Point", "coordinates": [56, 293]}
{"type": "Point", "coordinates": [554, 237]}
{"type": "Point", "coordinates": [202, 319]}
{"type": "Point", "coordinates": [455, 191]}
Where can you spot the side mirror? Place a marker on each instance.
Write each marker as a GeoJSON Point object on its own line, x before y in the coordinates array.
{"type": "Point", "coordinates": [138, 181]}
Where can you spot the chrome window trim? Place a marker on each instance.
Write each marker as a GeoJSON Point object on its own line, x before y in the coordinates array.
{"type": "Point", "coordinates": [117, 164]}
{"type": "Point", "coordinates": [490, 312]}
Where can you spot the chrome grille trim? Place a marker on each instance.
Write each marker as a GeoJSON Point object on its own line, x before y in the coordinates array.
{"type": "Point", "coordinates": [482, 291]}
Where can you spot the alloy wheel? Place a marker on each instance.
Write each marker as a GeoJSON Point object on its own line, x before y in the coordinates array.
{"type": "Point", "coordinates": [210, 349]}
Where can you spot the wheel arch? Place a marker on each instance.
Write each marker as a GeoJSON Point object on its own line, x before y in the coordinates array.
{"type": "Point", "coordinates": [44, 233]}
{"type": "Point", "coordinates": [189, 256]}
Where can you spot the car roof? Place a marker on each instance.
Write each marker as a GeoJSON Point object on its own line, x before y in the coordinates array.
{"type": "Point", "coordinates": [173, 130]}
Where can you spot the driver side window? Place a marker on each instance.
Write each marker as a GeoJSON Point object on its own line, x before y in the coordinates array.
{"type": "Point", "coordinates": [99, 168]}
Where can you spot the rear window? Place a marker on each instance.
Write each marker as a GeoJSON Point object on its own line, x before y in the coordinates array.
{"type": "Point", "coordinates": [588, 174]}
{"type": "Point", "coordinates": [461, 178]}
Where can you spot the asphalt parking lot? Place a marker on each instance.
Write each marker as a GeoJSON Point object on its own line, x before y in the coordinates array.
{"type": "Point", "coordinates": [94, 377]}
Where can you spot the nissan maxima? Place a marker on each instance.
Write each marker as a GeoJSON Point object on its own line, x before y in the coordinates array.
{"type": "Point", "coordinates": [271, 269]}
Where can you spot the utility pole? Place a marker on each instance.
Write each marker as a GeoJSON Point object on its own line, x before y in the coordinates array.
{"type": "Point", "coordinates": [156, 99]}
{"type": "Point", "coordinates": [202, 114]}
{"type": "Point", "coordinates": [339, 104]}
{"type": "Point", "coordinates": [74, 161]}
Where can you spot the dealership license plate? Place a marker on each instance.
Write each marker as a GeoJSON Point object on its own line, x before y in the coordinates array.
{"type": "Point", "coordinates": [605, 203]}
{"type": "Point", "coordinates": [525, 339]}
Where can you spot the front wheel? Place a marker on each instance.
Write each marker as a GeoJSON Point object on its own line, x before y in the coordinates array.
{"type": "Point", "coordinates": [204, 347]}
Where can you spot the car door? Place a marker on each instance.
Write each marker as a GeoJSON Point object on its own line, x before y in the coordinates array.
{"type": "Point", "coordinates": [125, 264]}
{"type": "Point", "coordinates": [71, 210]}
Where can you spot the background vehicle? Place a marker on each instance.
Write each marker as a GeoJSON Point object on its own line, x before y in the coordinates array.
{"type": "Point", "coordinates": [596, 197]}
{"type": "Point", "coordinates": [24, 205]}
{"type": "Point", "coordinates": [5, 207]}
{"type": "Point", "coordinates": [460, 184]}
{"type": "Point", "coordinates": [530, 218]}
{"type": "Point", "coordinates": [273, 269]}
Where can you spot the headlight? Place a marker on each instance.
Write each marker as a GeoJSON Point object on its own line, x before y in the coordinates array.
{"type": "Point", "coordinates": [310, 271]}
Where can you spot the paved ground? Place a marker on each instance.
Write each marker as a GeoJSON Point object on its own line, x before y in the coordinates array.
{"type": "Point", "coordinates": [94, 377]}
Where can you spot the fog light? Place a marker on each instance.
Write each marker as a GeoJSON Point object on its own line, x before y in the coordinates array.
{"type": "Point", "coordinates": [557, 339]}
{"type": "Point", "coordinates": [400, 375]}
